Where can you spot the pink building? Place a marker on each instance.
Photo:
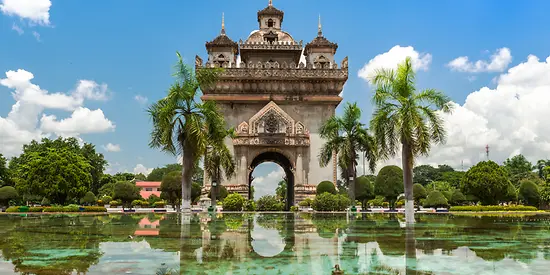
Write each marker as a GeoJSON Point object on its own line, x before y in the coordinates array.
{"type": "Point", "coordinates": [148, 188]}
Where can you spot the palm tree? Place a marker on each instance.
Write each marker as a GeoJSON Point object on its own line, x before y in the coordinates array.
{"type": "Point", "coordinates": [404, 115]}
{"type": "Point", "coordinates": [181, 124]}
{"type": "Point", "coordinates": [346, 136]}
{"type": "Point", "coordinates": [218, 158]}
{"type": "Point", "coordinates": [540, 167]}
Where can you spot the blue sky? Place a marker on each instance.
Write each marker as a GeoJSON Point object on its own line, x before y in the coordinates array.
{"type": "Point", "coordinates": [130, 47]}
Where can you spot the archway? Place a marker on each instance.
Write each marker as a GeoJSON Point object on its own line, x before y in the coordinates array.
{"type": "Point", "coordinates": [285, 163]}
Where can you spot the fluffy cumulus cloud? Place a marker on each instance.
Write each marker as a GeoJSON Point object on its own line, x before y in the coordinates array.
{"type": "Point", "coordinates": [27, 119]}
{"type": "Point", "coordinates": [511, 119]}
{"type": "Point", "coordinates": [141, 169]}
{"type": "Point", "coordinates": [266, 185]}
{"type": "Point", "coordinates": [390, 59]}
{"type": "Point", "coordinates": [35, 11]}
{"type": "Point", "coordinates": [109, 147]}
{"type": "Point", "coordinates": [498, 63]}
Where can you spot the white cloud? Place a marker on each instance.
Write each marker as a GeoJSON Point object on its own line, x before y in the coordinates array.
{"type": "Point", "coordinates": [141, 99]}
{"type": "Point", "coordinates": [36, 11]}
{"type": "Point", "coordinates": [36, 35]}
{"type": "Point", "coordinates": [18, 29]}
{"type": "Point", "coordinates": [390, 60]}
{"type": "Point", "coordinates": [265, 185]}
{"type": "Point", "coordinates": [498, 63]}
{"type": "Point", "coordinates": [109, 147]}
{"type": "Point", "coordinates": [20, 126]}
{"type": "Point", "coordinates": [141, 169]}
{"type": "Point", "coordinates": [511, 119]}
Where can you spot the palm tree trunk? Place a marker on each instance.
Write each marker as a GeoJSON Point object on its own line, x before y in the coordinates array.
{"type": "Point", "coordinates": [187, 173]}
{"type": "Point", "coordinates": [407, 162]}
{"type": "Point", "coordinates": [351, 175]}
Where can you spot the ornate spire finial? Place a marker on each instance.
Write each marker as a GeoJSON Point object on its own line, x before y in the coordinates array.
{"type": "Point", "coordinates": [270, 3]}
{"type": "Point", "coordinates": [319, 29]}
{"type": "Point", "coordinates": [223, 23]}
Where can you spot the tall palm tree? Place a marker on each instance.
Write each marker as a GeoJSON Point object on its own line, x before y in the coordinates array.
{"type": "Point", "coordinates": [181, 124]}
{"type": "Point", "coordinates": [408, 117]}
{"type": "Point", "coordinates": [218, 158]}
{"type": "Point", "coordinates": [346, 136]}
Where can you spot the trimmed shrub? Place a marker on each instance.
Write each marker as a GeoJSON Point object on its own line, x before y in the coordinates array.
{"type": "Point", "coordinates": [447, 194]}
{"type": "Point", "coordinates": [153, 198]}
{"type": "Point", "coordinates": [233, 202]}
{"type": "Point", "coordinates": [12, 209]}
{"type": "Point", "coordinates": [294, 208]}
{"type": "Point", "coordinates": [457, 198]}
{"type": "Point", "coordinates": [326, 187]}
{"type": "Point", "coordinates": [377, 201]}
{"type": "Point", "coordinates": [436, 199]}
{"type": "Point", "coordinates": [115, 203]}
{"type": "Point", "coordinates": [389, 183]}
{"type": "Point", "coordinates": [305, 203]}
{"type": "Point", "coordinates": [399, 203]}
{"type": "Point", "coordinates": [37, 209]}
{"type": "Point", "coordinates": [488, 181]}
{"type": "Point", "coordinates": [52, 209]}
{"type": "Point", "coordinates": [106, 199]}
{"type": "Point", "coordinates": [269, 203]}
{"type": "Point", "coordinates": [145, 204]}
{"type": "Point", "coordinates": [7, 193]}
{"type": "Point", "coordinates": [249, 205]}
{"type": "Point", "coordinates": [71, 208]}
{"type": "Point", "coordinates": [159, 204]}
{"type": "Point", "coordinates": [88, 199]}
{"type": "Point", "coordinates": [489, 208]}
{"type": "Point", "coordinates": [419, 192]}
{"type": "Point", "coordinates": [330, 202]}
{"type": "Point", "coordinates": [136, 203]}
{"type": "Point", "coordinates": [529, 193]}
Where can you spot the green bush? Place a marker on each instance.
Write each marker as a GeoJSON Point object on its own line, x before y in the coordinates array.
{"type": "Point", "coordinates": [7, 193]}
{"type": "Point", "coordinates": [71, 208]}
{"type": "Point", "coordinates": [377, 201]}
{"type": "Point", "coordinates": [233, 202]}
{"type": "Point", "coordinates": [457, 198]}
{"type": "Point", "coordinates": [399, 203]}
{"type": "Point", "coordinates": [106, 199]}
{"type": "Point", "coordinates": [488, 181]}
{"type": "Point", "coordinates": [294, 208]}
{"type": "Point", "coordinates": [94, 209]}
{"type": "Point", "coordinates": [488, 208]}
{"type": "Point", "coordinates": [153, 198]}
{"type": "Point", "coordinates": [159, 204]}
{"type": "Point", "coordinates": [145, 204]}
{"type": "Point", "coordinates": [45, 202]}
{"type": "Point", "coordinates": [330, 202]}
{"type": "Point", "coordinates": [88, 199]}
{"type": "Point", "coordinates": [249, 205]}
{"type": "Point", "coordinates": [52, 209]}
{"type": "Point", "coordinates": [136, 203]}
{"type": "Point", "coordinates": [447, 194]}
{"type": "Point", "coordinates": [305, 203]}
{"type": "Point", "coordinates": [436, 199]}
{"type": "Point", "coordinates": [385, 204]}
{"type": "Point", "coordinates": [326, 187]}
{"type": "Point", "coordinates": [389, 183]}
{"type": "Point", "coordinates": [269, 203]}
{"type": "Point", "coordinates": [12, 209]}
{"type": "Point", "coordinates": [115, 203]}
{"type": "Point", "coordinates": [529, 193]}
{"type": "Point", "coordinates": [37, 209]}
{"type": "Point", "coordinates": [419, 192]}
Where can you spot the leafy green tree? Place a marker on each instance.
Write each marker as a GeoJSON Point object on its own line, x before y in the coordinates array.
{"type": "Point", "coordinates": [364, 187]}
{"type": "Point", "coordinates": [97, 163]}
{"type": "Point", "coordinates": [330, 202]}
{"type": "Point", "coordinates": [126, 192]}
{"type": "Point", "coordinates": [389, 183]}
{"type": "Point", "coordinates": [7, 193]}
{"type": "Point", "coordinates": [54, 170]}
{"type": "Point", "coordinates": [280, 191]}
{"type": "Point", "coordinates": [453, 178]}
{"type": "Point", "coordinates": [511, 193]}
{"type": "Point", "coordinates": [5, 175]}
{"type": "Point", "coordinates": [89, 199]}
{"type": "Point", "coordinates": [406, 117]}
{"type": "Point", "coordinates": [457, 198]}
{"type": "Point", "coordinates": [444, 168]}
{"type": "Point", "coordinates": [518, 168]}
{"type": "Point", "coordinates": [346, 135]}
{"type": "Point", "coordinates": [325, 187]}
{"type": "Point", "coordinates": [529, 193]}
{"type": "Point", "coordinates": [233, 202]}
{"type": "Point", "coordinates": [182, 125]}
{"type": "Point", "coordinates": [424, 174]}
{"type": "Point", "coordinates": [108, 189]}
{"type": "Point", "coordinates": [440, 186]}
{"type": "Point", "coordinates": [419, 193]}
{"type": "Point", "coordinates": [487, 181]}
{"type": "Point", "coordinates": [170, 188]}
{"type": "Point", "coordinates": [541, 164]}
{"type": "Point", "coordinates": [436, 199]}
{"type": "Point", "coordinates": [269, 203]}
{"type": "Point", "coordinates": [140, 177]}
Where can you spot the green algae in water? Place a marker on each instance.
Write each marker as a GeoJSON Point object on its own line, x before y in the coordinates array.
{"type": "Point", "coordinates": [284, 243]}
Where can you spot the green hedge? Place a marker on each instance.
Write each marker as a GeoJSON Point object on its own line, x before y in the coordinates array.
{"type": "Point", "coordinates": [12, 209]}
{"type": "Point", "coordinates": [54, 209]}
{"type": "Point", "coordinates": [488, 208]}
{"type": "Point", "coordinates": [95, 209]}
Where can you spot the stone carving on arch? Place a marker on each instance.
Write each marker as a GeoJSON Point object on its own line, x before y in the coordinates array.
{"type": "Point", "coordinates": [243, 128]}
{"type": "Point", "coordinates": [300, 129]}
{"type": "Point", "coordinates": [271, 119]}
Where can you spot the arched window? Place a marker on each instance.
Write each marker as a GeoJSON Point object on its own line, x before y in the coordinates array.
{"type": "Point", "coordinates": [270, 23]}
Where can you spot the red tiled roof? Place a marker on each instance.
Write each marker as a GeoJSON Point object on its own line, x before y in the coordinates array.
{"type": "Point", "coordinates": [148, 183]}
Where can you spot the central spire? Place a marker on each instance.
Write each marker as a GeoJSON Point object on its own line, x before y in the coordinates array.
{"type": "Point", "coordinates": [223, 24]}
{"type": "Point", "coordinates": [270, 3]}
{"type": "Point", "coordinates": [319, 28]}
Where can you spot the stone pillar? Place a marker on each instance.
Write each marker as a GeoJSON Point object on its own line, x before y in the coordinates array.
{"type": "Point", "coordinates": [243, 171]}
{"type": "Point", "coordinates": [299, 177]}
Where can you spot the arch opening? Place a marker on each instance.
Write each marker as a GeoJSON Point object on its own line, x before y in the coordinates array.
{"type": "Point", "coordinates": [287, 167]}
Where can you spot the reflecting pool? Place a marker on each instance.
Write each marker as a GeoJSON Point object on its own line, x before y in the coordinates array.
{"type": "Point", "coordinates": [274, 244]}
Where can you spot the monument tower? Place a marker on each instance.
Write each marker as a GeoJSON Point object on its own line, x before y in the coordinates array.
{"type": "Point", "coordinates": [276, 93]}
